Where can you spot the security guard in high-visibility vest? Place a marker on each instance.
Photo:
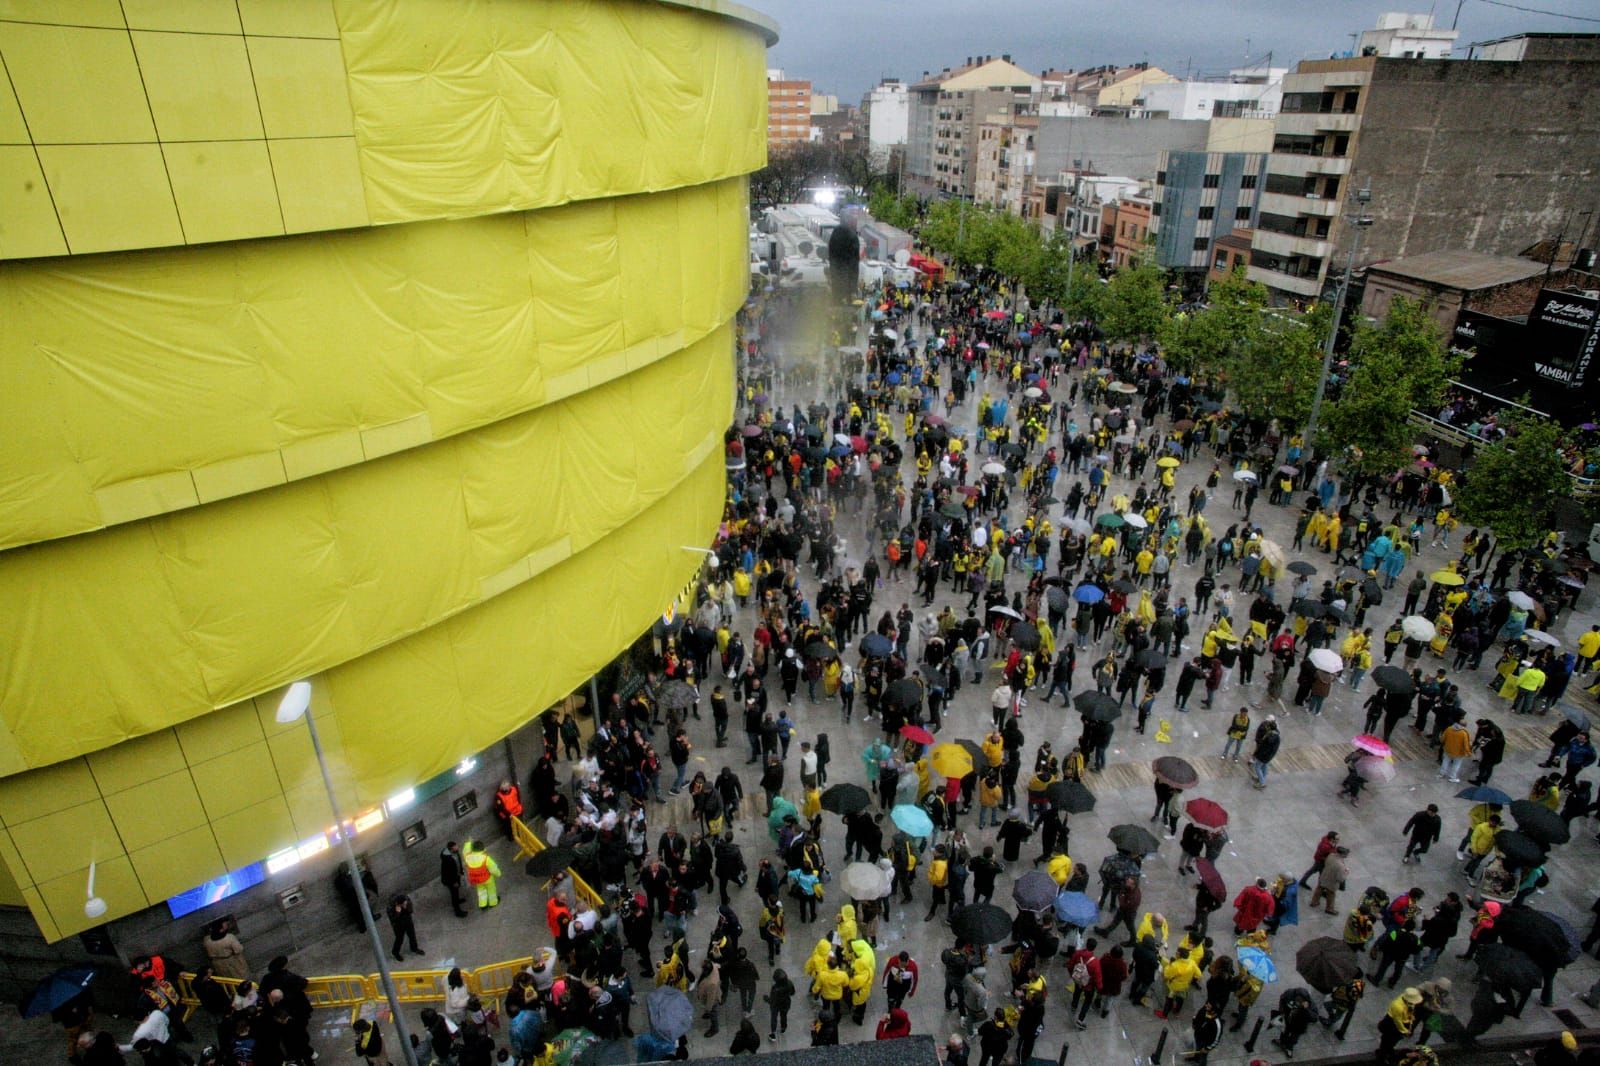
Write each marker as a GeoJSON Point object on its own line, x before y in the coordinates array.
{"type": "Point", "coordinates": [482, 873]}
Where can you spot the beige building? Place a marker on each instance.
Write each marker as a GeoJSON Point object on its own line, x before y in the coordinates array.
{"type": "Point", "coordinates": [946, 111]}
{"type": "Point", "coordinates": [1004, 177]}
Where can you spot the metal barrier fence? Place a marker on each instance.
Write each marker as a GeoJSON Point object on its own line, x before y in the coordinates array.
{"type": "Point", "coordinates": [529, 845]}
{"type": "Point", "coordinates": [1582, 487]}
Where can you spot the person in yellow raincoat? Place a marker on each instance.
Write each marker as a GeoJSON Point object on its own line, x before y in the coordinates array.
{"type": "Point", "coordinates": [830, 677]}
{"type": "Point", "coordinates": [1060, 868]}
{"type": "Point", "coordinates": [1317, 526]}
{"type": "Point", "coordinates": [845, 926]}
{"type": "Point", "coordinates": [1330, 536]}
{"type": "Point", "coordinates": [811, 806]}
{"type": "Point", "coordinates": [1443, 629]}
{"type": "Point", "coordinates": [1152, 924]}
{"type": "Point", "coordinates": [863, 971]}
{"type": "Point", "coordinates": [1047, 640]}
{"type": "Point", "coordinates": [483, 873]}
{"type": "Point", "coordinates": [1145, 610]}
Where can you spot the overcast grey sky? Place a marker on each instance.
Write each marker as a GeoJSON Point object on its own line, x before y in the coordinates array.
{"type": "Point", "coordinates": [845, 46]}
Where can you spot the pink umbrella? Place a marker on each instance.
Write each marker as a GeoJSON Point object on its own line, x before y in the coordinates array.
{"type": "Point", "coordinates": [1375, 769]}
{"type": "Point", "coordinates": [1371, 745]}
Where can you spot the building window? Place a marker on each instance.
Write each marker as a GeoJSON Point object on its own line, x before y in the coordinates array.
{"type": "Point", "coordinates": [1161, 177]}
{"type": "Point", "coordinates": [1221, 261]}
{"type": "Point", "coordinates": [1212, 181]}
{"type": "Point", "coordinates": [1241, 214]}
{"type": "Point", "coordinates": [1202, 243]}
{"type": "Point", "coordinates": [1247, 182]}
{"type": "Point", "coordinates": [1207, 212]}
{"type": "Point", "coordinates": [1155, 209]}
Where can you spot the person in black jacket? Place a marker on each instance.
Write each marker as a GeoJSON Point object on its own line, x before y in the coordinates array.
{"type": "Point", "coordinates": [451, 874]}
{"type": "Point", "coordinates": [746, 1041]}
{"type": "Point", "coordinates": [1268, 741]}
{"type": "Point", "coordinates": [1424, 828]}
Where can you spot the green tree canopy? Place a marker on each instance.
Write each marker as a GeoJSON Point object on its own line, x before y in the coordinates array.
{"type": "Point", "coordinates": [1210, 340]}
{"type": "Point", "coordinates": [1134, 305]}
{"type": "Point", "coordinates": [1275, 374]}
{"type": "Point", "coordinates": [1513, 484]}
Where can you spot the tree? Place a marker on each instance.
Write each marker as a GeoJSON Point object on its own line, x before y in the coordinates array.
{"type": "Point", "coordinates": [1513, 484]}
{"type": "Point", "coordinates": [885, 206]}
{"type": "Point", "coordinates": [1275, 374]}
{"type": "Point", "coordinates": [1208, 341]}
{"type": "Point", "coordinates": [1135, 305]}
{"type": "Point", "coordinates": [1396, 366]}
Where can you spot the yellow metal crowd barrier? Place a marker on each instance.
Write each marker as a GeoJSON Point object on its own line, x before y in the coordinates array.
{"type": "Point", "coordinates": [529, 845]}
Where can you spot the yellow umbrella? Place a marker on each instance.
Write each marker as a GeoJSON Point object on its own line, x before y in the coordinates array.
{"type": "Point", "coordinates": [1167, 461]}
{"type": "Point", "coordinates": [1447, 577]}
{"type": "Point", "coordinates": [952, 760]}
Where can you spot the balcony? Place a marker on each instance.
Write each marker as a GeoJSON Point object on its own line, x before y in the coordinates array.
{"type": "Point", "coordinates": [1298, 166]}
{"type": "Point", "coordinates": [1286, 245]}
{"type": "Point", "coordinates": [1284, 282]}
{"type": "Point", "coordinates": [1309, 125]}
{"type": "Point", "coordinates": [1293, 206]}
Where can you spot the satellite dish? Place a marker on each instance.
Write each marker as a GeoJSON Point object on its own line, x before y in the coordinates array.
{"type": "Point", "coordinates": [805, 247]}
{"type": "Point", "coordinates": [902, 258]}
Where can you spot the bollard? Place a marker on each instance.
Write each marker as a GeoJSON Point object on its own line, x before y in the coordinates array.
{"type": "Point", "coordinates": [1161, 1045]}
{"type": "Point", "coordinates": [1061, 1059]}
{"type": "Point", "coordinates": [1255, 1034]}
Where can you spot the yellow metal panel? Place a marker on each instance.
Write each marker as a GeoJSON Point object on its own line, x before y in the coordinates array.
{"type": "Point", "coordinates": [46, 790]}
{"type": "Point", "coordinates": [224, 190]}
{"type": "Point", "coordinates": [178, 863]}
{"type": "Point", "coordinates": [28, 224]}
{"type": "Point", "coordinates": [307, 458]}
{"type": "Point", "coordinates": [156, 809]}
{"type": "Point", "coordinates": [114, 882]}
{"type": "Point", "coordinates": [250, 835]}
{"type": "Point", "coordinates": [319, 183]}
{"type": "Point", "coordinates": [41, 914]}
{"type": "Point", "coordinates": [10, 892]}
{"type": "Point", "coordinates": [219, 733]}
{"type": "Point", "coordinates": [289, 18]}
{"type": "Point", "coordinates": [66, 840]}
{"type": "Point", "coordinates": [77, 85]}
{"type": "Point", "coordinates": [142, 497]}
{"type": "Point", "coordinates": [11, 859]}
{"type": "Point", "coordinates": [135, 211]}
{"type": "Point", "coordinates": [396, 436]}
{"type": "Point", "coordinates": [301, 87]}
{"type": "Point", "coordinates": [84, 12]}
{"type": "Point", "coordinates": [13, 130]}
{"type": "Point", "coordinates": [234, 781]}
{"type": "Point", "coordinates": [186, 16]}
{"type": "Point", "coordinates": [175, 65]}
{"type": "Point", "coordinates": [136, 762]}
{"type": "Point", "coordinates": [235, 477]}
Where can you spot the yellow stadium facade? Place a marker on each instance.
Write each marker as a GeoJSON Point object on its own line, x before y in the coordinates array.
{"type": "Point", "coordinates": [388, 345]}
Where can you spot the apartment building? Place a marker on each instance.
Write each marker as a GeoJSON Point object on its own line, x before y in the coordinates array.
{"type": "Point", "coordinates": [946, 110]}
{"type": "Point", "coordinates": [788, 111]}
{"type": "Point", "coordinates": [1005, 159]}
{"type": "Point", "coordinates": [1199, 197]}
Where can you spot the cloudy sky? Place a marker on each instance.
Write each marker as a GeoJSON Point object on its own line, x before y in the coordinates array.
{"type": "Point", "coordinates": [845, 46]}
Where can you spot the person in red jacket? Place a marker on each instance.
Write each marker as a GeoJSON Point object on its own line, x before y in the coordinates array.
{"type": "Point", "coordinates": [1325, 846]}
{"type": "Point", "coordinates": [1113, 972]}
{"type": "Point", "coordinates": [1084, 969]}
{"type": "Point", "coordinates": [895, 1024]}
{"type": "Point", "coordinates": [1251, 907]}
{"type": "Point", "coordinates": [557, 914]}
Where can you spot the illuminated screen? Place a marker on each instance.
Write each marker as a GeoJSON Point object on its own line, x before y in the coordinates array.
{"type": "Point", "coordinates": [216, 890]}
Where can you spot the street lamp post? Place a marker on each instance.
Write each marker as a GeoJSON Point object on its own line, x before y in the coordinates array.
{"type": "Point", "coordinates": [1359, 222]}
{"type": "Point", "coordinates": [296, 703]}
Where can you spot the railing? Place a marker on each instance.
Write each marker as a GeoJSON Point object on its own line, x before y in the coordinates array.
{"type": "Point", "coordinates": [529, 845]}
{"type": "Point", "coordinates": [1583, 488]}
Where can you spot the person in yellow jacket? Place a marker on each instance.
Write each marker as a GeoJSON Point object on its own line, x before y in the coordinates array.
{"type": "Point", "coordinates": [1588, 649]}
{"type": "Point", "coordinates": [812, 805]}
{"type": "Point", "coordinates": [994, 749]}
{"type": "Point", "coordinates": [1142, 562]}
{"type": "Point", "coordinates": [938, 878]}
{"type": "Point", "coordinates": [1047, 640]}
{"type": "Point", "coordinates": [482, 873]}
{"type": "Point", "coordinates": [863, 976]}
{"type": "Point", "coordinates": [845, 927]}
{"type": "Point", "coordinates": [1060, 868]}
{"type": "Point", "coordinates": [818, 959]}
{"type": "Point", "coordinates": [1152, 924]}
{"type": "Point", "coordinates": [829, 985]}
{"type": "Point", "coordinates": [1179, 975]}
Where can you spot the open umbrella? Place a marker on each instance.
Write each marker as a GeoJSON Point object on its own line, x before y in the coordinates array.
{"type": "Point", "coordinates": [1539, 636]}
{"type": "Point", "coordinates": [1007, 611]}
{"type": "Point", "coordinates": [753, 430]}
{"type": "Point", "coordinates": [1126, 388]}
{"type": "Point", "coordinates": [820, 649]}
{"type": "Point", "coordinates": [1208, 814]}
{"type": "Point", "coordinates": [1520, 599]}
{"type": "Point", "coordinates": [863, 880]}
{"type": "Point", "coordinates": [917, 734]}
{"type": "Point", "coordinates": [1519, 849]}
{"type": "Point", "coordinates": [550, 861]}
{"type": "Point", "coordinates": [1244, 475]}
{"type": "Point", "coordinates": [1326, 659]}
{"type": "Point", "coordinates": [1576, 717]}
{"type": "Point", "coordinates": [876, 646]}
{"type": "Point", "coordinates": [953, 509]}
{"type": "Point", "coordinates": [1484, 794]}
{"type": "Point", "coordinates": [1540, 823]}
{"type": "Point", "coordinates": [1258, 964]}
{"type": "Point", "coordinates": [1090, 594]}
{"type": "Point", "coordinates": [1167, 462]}
{"type": "Point", "coordinates": [57, 990]}
{"type": "Point", "coordinates": [981, 923]}
{"type": "Point", "coordinates": [1447, 577]}
{"type": "Point", "coordinates": [1417, 627]}
{"type": "Point", "coordinates": [1371, 745]}
{"type": "Point", "coordinates": [1300, 566]}
{"type": "Point", "coordinates": [1034, 890]}
{"type": "Point", "coordinates": [951, 760]}
{"type": "Point", "coordinates": [1306, 608]}
{"type": "Point", "coordinates": [904, 694]}
{"type": "Point", "coordinates": [969, 490]}
{"type": "Point", "coordinates": [1124, 586]}
{"type": "Point", "coordinates": [1097, 706]}
{"type": "Point", "coordinates": [1393, 679]}
{"type": "Point", "coordinates": [1206, 870]}
{"type": "Point", "coordinates": [1137, 521]}
{"type": "Point", "coordinates": [911, 820]}
{"type": "Point", "coordinates": [1033, 392]}
{"type": "Point", "coordinates": [1175, 772]}
{"type": "Point", "coordinates": [1502, 964]}
{"type": "Point", "coordinates": [845, 799]}
{"type": "Point", "coordinates": [1057, 598]}
{"type": "Point", "coordinates": [1025, 635]}
{"type": "Point", "coordinates": [1109, 520]}
{"type": "Point", "coordinates": [1375, 769]}
{"type": "Point", "coordinates": [1133, 839]}
{"type": "Point", "coordinates": [671, 1013]}
{"type": "Point", "coordinates": [1326, 962]}
{"type": "Point", "coordinates": [1075, 908]}
{"type": "Point", "coordinates": [1070, 796]}
{"type": "Point", "coordinates": [1077, 525]}
{"type": "Point", "coordinates": [1536, 934]}
{"type": "Point", "coordinates": [974, 749]}
{"type": "Point", "coordinates": [677, 696]}
{"type": "Point", "coordinates": [994, 469]}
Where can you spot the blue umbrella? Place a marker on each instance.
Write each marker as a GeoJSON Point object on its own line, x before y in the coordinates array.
{"type": "Point", "coordinates": [1258, 964]}
{"type": "Point", "coordinates": [876, 646]}
{"type": "Point", "coordinates": [913, 821]}
{"type": "Point", "coordinates": [1024, 337]}
{"type": "Point", "coordinates": [1484, 794]}
{"type": "Point", "coordinates": [670, 1012]}
{"type": "Point", "coordinates": [1075, 908]}
{"type": "Point", "coordinates": [1174, 447]}
{"type": "Point", "coordinates": [877, 316]}
{"type": "Point", "coordinates": [894, 377]}
{"type": "Point", "coordinates": [59, 988]}
{"type": "Point", "coordinates": [1088, 594]}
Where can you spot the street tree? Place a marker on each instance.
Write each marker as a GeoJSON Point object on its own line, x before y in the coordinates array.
{"type": "Point", "coordinates": [1513, 484]}
{"type": "Point", "coordinates": [1134, 305]}
{"type": "Point", "coordinates": [1275, 374]}
{"type": "Point", "coordinates": [1210, 340]}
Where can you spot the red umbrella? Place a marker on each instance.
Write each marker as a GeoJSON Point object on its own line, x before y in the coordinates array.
{"type": "Point", "coordinates": [969, 490]}
{"type": "Point", "coordinates": [858, 445]}
{"type": "Point", "coordinates": [916, 733]}
{"type": "Point", "coordinates": [1209, 877]}
{"type": "Point", "coordinates": [1371, 745]}
{"type": "Point", "coordinates": [994, 314]}
{"type": "Point", "coordinates": [1206, 813]}
{"type": "Point", "coordinates": [932, 420]}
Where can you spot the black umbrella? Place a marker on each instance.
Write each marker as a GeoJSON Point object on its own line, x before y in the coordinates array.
{"type": "Point", "coordinates": [1057, 598]}
{"type": "Point", "coordinates": [550, 862]}
{"type": "Point", "coordinates": [1025, 635]}
{"type": "Point", "coordinates": [1326, 963]}
{"type": "Point", "coordinates": [1123, 585]}
{"type": "Point", "coordinates": [1175, 772]}
{"type": "Point", "coordinates": [821, 649]}
{"type": "Point", "coordinates": [1097, 706]}
{"type": "Point", "coordinates": [1371, 591]}
{"type": "Point", "coordinates": [1034, 890]}
{"type": "Point", "coordinates": [1133, 839]}
{"type": "Point", "coordinates": [1393, 679]}
{"type": "Point", "coordinates": [980, 759]}
{"type": "Point", "coordinates": [1540, 823]}
{"type": "Point", "coordinates": [1151, 659]}
{"type": "Point", "coordinates": [1306, 608]}
{"type": "Point", "coordinates": [845, 799]}
{"type": "Point", "coordinates": [1502, 964]}
{"type": "Point", "coordinates": [953, 510]}
{"type": "Point", "coordinates": [903, 694]}
{"type": "Point", "coordinates": [981, 923]}
{"type": "Point", "coordinates": [1070, 796]}
{"type": "Point", "coordinates": [676, 696]}
{"type": "Point", "coordinates": [1535, 933]}
{"type": "Point", "coordinates": [876, 646]}
{"type": "Point", "coordinates": [1300, 566]}
{"type": "Point", "coordinates": [1011, 449]}
{"type": "Point", "coordinates": [1519, 849]}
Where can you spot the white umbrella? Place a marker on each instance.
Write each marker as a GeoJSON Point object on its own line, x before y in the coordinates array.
{"type": "Point", "coordinates": [842, 438]}
{"type": "Point", "coordinates": [1123, 387]}
{"type": "Point", "coordinates": [1244, 475]}
{"type": "Point", "coordinates": [1008, 612]}
{"type": "Point", "coordinates": [1077, 525]}
{"type": "Point", "coordinates": [1136, 521]}
{"type": "Point", "coordinates": [1327, 659]}
{"type": "Point", "coordinates": [1540, 637]}
{"type": "Point", "coordinates": [1032, 393]}
{"type": "Point", "coordinates": [1418, 628]}
{"type": "Point", "coordinates": [1520, 599]}
{"type": "Point", "coordinates": [891, 334]}
{"type": "Point", "coordinates": [1125, 438]}
{"type": "Point", "coordinates": [994, 469]}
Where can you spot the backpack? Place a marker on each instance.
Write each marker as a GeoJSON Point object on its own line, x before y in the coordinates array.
{"type": "Point", "coordinates": [1080, 973]}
